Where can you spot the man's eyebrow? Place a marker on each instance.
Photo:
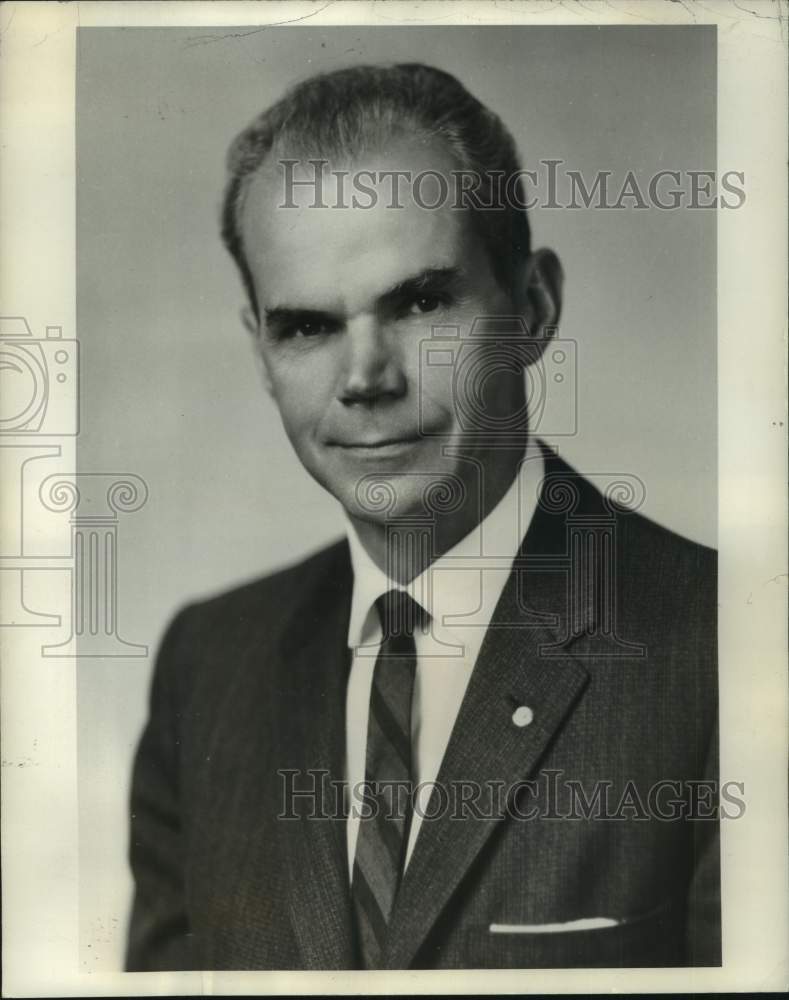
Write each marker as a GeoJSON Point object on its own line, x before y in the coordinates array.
{"type": "Point", "coordinates": [287, 314]}
{"type": "Point", "coordinates": [429, 279]}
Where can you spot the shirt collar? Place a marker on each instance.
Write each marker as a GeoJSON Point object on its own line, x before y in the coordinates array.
{"type": "Point", "coordinates": [441, 593]}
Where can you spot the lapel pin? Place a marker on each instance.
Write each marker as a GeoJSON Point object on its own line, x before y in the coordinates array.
{"type": "Point", "coordinates": [522, 716]}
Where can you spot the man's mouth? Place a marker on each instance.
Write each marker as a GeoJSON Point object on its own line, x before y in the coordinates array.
{"type": "Point", "coordinates": [378, 446]}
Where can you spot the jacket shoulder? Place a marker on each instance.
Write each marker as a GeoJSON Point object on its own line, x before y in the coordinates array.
{"type": "Point", "coordinates": [265, 602]}
{"type": "Point", "coordinates": [639, 536]}
{"type": "Point", "coordinates": [665, 557]}
{"type": "Point", "coordinates": [655, 567]}
{"type": "Point", "coordinates": [280, 586]}
{"type": "Point", "coordinates": [656, 536]}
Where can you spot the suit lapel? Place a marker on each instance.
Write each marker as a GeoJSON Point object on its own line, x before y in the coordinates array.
{"type": "Point", "coordinates": [486, 744]}
{"type": "Point", "coordinates": [525, 660]}
{"type": "Point", "coordinates": [314, 666]}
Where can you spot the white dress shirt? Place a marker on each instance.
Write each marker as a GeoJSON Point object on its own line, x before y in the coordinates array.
{"type": "Point", "coordinates": [460, 592]}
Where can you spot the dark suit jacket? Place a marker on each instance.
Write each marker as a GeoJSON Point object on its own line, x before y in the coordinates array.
{"type": "Point", "coordinates": [619, 669]}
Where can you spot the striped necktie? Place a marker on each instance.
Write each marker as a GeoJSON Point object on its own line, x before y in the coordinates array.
{"type": "Point", "coordinates": [382, 838]}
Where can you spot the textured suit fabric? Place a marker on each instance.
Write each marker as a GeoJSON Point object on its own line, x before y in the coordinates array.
{"type": "Point", "coordinates": [251, 684]}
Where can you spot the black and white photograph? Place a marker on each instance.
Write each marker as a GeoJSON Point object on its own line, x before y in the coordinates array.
{"type": "Point", "coordinates": [394, 488]}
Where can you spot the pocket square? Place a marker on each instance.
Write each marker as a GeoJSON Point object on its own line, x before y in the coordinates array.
{"type": "Point", "coordinates": [584, 924]}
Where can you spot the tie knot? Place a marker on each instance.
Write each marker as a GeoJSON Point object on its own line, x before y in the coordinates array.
{"type": "Point", "coordinates": [400, 614]}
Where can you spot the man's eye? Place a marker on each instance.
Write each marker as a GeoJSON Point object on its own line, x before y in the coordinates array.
{"type": "Point", "coordinates": [306, 328]}
{"type": "Point", "coordinates": [426, 304]}
{"type": "Point", "coordinates": [309, 329]}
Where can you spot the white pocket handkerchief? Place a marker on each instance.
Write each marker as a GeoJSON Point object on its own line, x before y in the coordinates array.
{"type": "Point", "coordinates": [585, 924]}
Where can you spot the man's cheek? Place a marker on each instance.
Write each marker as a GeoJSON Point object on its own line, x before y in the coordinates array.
{"type": "Point", "coordinates": [436, 395]}
{"type": "Point", "coordinates": [295, 421]}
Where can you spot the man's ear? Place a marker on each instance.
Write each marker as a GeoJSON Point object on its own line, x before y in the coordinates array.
{"type": "Point", "coordinates": [538, 294]}
{"type": "Point", "coordinates": [252, 326]}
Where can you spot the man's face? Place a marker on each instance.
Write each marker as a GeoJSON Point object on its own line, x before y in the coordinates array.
{"type": "Point", "coordinates": [347, 296]}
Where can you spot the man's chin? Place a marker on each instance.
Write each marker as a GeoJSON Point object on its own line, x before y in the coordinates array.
{"type": "Point", "coordinates": [415, 498]}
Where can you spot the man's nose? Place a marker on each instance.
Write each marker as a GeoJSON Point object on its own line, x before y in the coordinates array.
{"type": "Point", "coordinates": [373, 368]}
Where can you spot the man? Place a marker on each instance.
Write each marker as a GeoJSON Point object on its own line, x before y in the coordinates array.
{"type": "Point", "coordinates": [472, 734]}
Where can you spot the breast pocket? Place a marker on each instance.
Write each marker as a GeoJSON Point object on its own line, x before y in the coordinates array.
{"type": "Point", "coordinates": [650, 939]}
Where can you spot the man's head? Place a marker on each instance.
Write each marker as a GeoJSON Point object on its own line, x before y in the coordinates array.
{"type": "Point", "coordinates": [340, 116]}
{"type": "Point", "coordinates": [342, 299]}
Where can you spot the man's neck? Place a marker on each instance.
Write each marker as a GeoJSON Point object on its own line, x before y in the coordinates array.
{"type": "Point", "coordinates": [404, 549]}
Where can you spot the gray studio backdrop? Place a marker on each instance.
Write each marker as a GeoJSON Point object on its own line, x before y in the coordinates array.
{"type": "Point", "coordinates": [169, 389]}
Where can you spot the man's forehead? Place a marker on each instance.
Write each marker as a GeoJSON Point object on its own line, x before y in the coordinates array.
{"type": "Point", "coordinates": [318, 246]}
{"type": "Point", "coordinates": [352, 272]}
{"type": "Point", "coordinates": [385, 174]}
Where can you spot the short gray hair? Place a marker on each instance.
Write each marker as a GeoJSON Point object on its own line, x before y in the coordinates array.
{"type": "Point", "coordinates": [345, 112]}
